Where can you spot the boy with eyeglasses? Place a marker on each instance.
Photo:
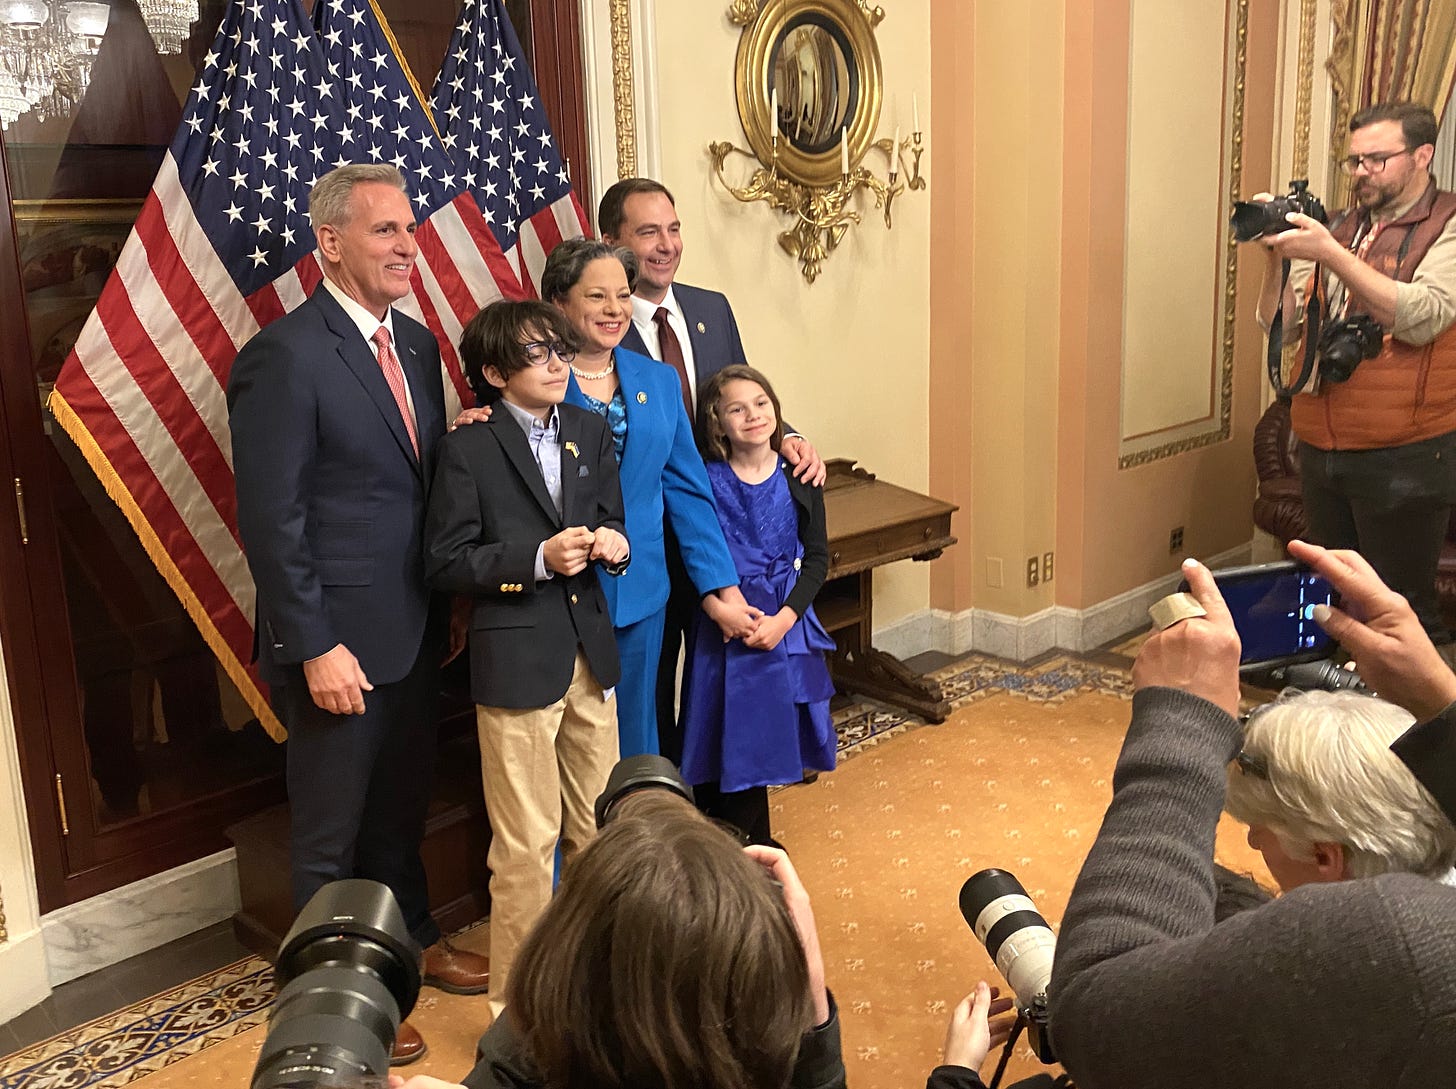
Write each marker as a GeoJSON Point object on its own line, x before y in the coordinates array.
{"type": "Point", "coordinates": [523, 509]}
{"type": "Point", "coordinates": [1377, 450]}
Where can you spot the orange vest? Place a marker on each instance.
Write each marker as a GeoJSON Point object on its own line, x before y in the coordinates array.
{"type": "Point", "coordinates": [1407, 393]}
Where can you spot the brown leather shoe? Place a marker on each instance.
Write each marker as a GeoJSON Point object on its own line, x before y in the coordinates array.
{"type": "Point", "coordinates": [409, 1045]}
{"type": "Point", "coordinates": [456, 970]}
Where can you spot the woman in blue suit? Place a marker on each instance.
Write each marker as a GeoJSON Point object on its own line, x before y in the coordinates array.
{"type": "Point", "coordinates": [662, 473]}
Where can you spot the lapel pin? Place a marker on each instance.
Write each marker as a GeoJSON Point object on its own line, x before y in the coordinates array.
{"type": "Point", "coordinates": [571, 449]}
{"type": "Point", "coordinates": [702, 328]}
{"type": "Point", "coordinates": [642, 398]}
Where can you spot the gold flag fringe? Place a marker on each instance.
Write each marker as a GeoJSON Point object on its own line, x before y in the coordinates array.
{"type": "Point", "coordinates": [122, 497]}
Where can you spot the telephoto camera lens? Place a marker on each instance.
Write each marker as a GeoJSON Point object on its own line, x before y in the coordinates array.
{"type": "Point", "coordinates": [348, 973]}
{"type": "Point", "coordinates": [1006, 921]}
{"type": "Point", "coordinates": [647, 771]}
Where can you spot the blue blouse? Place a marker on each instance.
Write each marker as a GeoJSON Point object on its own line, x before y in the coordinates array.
{"type": "Point", "coordinates": [615, 413]}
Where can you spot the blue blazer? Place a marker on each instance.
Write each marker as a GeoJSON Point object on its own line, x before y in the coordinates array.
{"type": "Point", "coordinates": [331, 497]}
{"type": "Point", "coordinates": [711, 328]}
{"type": "Point", "coordinates": [661, 471]}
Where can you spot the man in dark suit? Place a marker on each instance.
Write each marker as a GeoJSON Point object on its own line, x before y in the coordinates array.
{"type": "Point", "coordinates": [692, 330]}
{"type": "Point", "coordinates": [335, 410]}
{"type": "Point", "coordinates": [521, 508]}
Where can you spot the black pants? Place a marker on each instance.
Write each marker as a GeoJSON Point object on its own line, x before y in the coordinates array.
{"type": "Point", "coordinates": [682, 603]}
{"type": "Point", "coordinates": [1393, 505]}
{"type": "Point", "coordinates": [359, 788]}
{"type": "Point", "coordinates": [746, 810]}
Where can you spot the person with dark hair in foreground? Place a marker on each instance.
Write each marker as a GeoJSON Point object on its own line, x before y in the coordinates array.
{"type": "Point", "coordinates": [1337, 985]}
{"type": "Point", "coordinates": [672, 958]}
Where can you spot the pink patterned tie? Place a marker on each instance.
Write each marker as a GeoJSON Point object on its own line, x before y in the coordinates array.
{"type": "Point", "coordinates": [394, 375]}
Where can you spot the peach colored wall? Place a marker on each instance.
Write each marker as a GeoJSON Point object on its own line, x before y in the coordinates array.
{"type": "Point", "coordinates": [1035, 468]}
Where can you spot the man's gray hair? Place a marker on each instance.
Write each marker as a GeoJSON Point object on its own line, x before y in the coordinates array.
{"type": "Point", "coordinates": [568, 260]}
{"type": "Point", "coordinates": [328, 201]}
{"type": "Point", "coordinates": [1331, 778]}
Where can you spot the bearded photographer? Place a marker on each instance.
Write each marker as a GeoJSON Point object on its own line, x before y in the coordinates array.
{"type": "Point", "coordinates": [1349, 984]}
{"type": "Point", "coordinates": [1376, 421]}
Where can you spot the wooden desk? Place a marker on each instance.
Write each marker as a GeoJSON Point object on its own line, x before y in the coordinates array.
{"type": "Point", "coordinates": [872, 523]}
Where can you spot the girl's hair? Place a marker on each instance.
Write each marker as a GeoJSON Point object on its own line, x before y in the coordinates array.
{"type": "Point", "coordinates": [496, 337]}
{"type": "Point", "coordinates": [666, 959]}
{"type": "Point", "coordinates": [713, 437]}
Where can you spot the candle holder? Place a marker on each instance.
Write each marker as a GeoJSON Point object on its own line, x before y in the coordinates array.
{"type": "Point", "coordinates": [797, 61]}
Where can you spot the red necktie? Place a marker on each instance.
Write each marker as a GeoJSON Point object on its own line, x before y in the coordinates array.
{"type": "Point", "coordinates": [673, 357]}
{"type": "Point", "coordinates": [394, 376]}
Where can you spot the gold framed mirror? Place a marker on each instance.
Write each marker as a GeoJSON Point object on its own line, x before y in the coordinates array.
{"type": "Point", "coordinates": [817, 60]}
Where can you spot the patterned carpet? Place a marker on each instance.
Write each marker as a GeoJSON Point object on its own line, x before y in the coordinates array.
{"type": "Point", "coordinates": [1017, 778]}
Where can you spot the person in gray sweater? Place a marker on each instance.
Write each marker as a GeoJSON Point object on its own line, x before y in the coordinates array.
{"type": "Point", "coordinates": [1336, 985]}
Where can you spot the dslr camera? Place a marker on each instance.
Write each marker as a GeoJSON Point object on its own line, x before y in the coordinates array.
{"type": "Point", "coordinates": [348, 973]}
{"type": "Point", "coordinates": [1253, 219]}
{"type": "Point", "coordinates": [1344, 345]}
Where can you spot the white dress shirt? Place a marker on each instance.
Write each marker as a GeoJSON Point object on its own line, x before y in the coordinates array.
{"type": "Point", "coordinates": [642, 312]}
{"type": "Point", "coordinates": [369, 325]}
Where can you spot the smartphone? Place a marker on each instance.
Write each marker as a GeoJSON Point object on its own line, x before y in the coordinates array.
{"type": "Point", "coordinates": [1272, 605]}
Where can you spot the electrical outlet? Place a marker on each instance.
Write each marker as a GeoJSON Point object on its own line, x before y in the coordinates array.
{"type": "Point", "coordinates": [1033, 571]}
{"type": "Point", "coordinates": [1046, 566]}
{"type": "Point", "coordinates": [995, 572]}
{"type": "Point", "coordinates": [1175, 540]}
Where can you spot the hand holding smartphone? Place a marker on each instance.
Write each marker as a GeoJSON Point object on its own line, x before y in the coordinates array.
{"type": "Point", "coordinates": [1272, 606]}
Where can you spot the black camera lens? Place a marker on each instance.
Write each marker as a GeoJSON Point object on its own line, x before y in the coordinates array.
{"type": "Point", "coordinates": [647, 771]}
{"type": "Point", "coordinates": [348, 974]}
{"type": "Point", "coordinates": [1253, 219]}
{"type": "Point", "coordinates": [1344, 345]}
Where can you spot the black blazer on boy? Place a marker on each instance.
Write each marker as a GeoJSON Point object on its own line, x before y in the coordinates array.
{"type": "Point", "coordinates": [489, 511]}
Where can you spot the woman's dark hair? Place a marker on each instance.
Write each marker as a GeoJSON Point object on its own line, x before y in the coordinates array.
{"type": "Point", "coordinates": [566, 263]}
{"type": "Point", "coordinates": [666, 959]}
{"type": "Point", "coordinates": [497, 336]}
{"type": "Point", "coordinates": [713, 437]}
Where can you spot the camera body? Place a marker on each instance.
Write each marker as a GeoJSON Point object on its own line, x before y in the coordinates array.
{"type": "Point", "coordinates": [1253, 219]}
{"type": "Point", "coordinates": [1344, 345]}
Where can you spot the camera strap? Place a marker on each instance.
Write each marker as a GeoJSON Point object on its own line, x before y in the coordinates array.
{"type": "Point", "coordinates": [1311, 339]}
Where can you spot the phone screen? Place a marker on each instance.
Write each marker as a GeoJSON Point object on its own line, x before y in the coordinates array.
{"type": "Point", "coordinates": [1274, 614]}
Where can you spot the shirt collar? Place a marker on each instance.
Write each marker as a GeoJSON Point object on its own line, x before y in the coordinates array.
{"type": "Point", "coordinates": [367, 323]}
{"type": "Point", "coordinates": [643, 311]}
{"type": "Point", "coordinates": [529, 422]}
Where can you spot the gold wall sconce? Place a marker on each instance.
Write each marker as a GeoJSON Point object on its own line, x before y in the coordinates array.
{"type": "Point", "coordinates": [809, 97]}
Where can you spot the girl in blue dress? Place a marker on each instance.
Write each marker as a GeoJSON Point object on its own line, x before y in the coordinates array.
{"type": "Point", "coordinates": [756, 709]}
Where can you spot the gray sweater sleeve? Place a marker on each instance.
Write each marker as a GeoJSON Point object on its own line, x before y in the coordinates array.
{"type": "Point", "coordinates": [1318, 987]}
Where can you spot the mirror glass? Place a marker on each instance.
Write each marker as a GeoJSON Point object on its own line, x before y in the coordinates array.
{"type": "Point", "coordinates": [818, 87]}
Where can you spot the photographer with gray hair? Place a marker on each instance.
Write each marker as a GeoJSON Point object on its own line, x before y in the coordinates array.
{"type": "Point", "coordinates": [1340, 984]}
{"type": "Point", "coordinates": [1324, 797]}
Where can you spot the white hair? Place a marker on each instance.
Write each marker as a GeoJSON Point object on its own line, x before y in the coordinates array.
{"type": "Point", "coordinates": [328, 201]}
{"type": "Point", "coordinates": [1331, 778]}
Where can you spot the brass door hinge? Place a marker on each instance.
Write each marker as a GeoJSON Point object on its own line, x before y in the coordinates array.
{"type": "Point", "coordinates": [20, 506]}
{"type": "Point", "coordinates": [61, 802]}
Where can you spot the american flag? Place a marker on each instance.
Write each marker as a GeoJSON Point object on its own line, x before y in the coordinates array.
{"type": "Point", "coordinates": [223, 246]}
{"type": "Point", "coordinates": [492, 123]}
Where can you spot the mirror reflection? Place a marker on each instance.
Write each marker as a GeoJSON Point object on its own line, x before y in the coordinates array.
{"type": "Point", "coordinates": [816, 86]}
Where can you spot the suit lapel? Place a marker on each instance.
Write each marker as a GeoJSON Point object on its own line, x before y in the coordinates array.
{"type": "Point", "coordinates": [691, 320]}
{"type": "Point", "coordinates": [518, 450]}
{"type": "Point", "coordinates": [358, 355]}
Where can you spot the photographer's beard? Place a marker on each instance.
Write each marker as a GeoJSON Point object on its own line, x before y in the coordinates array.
{"type": "Point", "coordinates": [1376, 193]}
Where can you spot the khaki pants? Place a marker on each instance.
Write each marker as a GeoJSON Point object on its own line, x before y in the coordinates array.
{"type": "Point", "coordinates": [542, 769]}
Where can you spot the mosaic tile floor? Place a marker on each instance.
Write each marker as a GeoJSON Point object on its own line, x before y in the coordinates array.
{"type": "Point", "coordinates": [141, 1039]}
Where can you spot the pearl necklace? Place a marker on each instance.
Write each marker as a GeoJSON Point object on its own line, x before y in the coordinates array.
{"type": "Point", "coordinates": [588, 376]}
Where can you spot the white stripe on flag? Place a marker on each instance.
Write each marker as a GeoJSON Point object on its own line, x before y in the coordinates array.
{"type": "Point", "coordinates": [290, 289]}
{"type": "Point", "coordinates": [461, 247]}
{"type": "Point", "coordinates": [533, 252]}
{"type": "Point", "coordinates": [567, 222]}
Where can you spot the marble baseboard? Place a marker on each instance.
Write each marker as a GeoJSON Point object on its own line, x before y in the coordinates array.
{"type": "Point", "coordinates": [82, 938]}
{"type": "Point", "coordinates": [1021, 638]}
{"type": "Point", "coordinates": [22, 974]}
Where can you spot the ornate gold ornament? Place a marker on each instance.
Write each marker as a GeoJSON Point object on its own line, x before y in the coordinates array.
{"type": "Point", "coordinates": [623, 100]}
{"type": "Point", "coordinates": [809, 96]}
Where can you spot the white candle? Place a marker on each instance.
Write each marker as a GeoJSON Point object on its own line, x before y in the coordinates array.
{"type": "Point", "coordinates": [895, 150]}
{"type": "Point", "coordinates": [844, 151]}
{"type": "Point", "coordinates": [773, 113]}
{"type": "Point", "coordinates": [915, 111]}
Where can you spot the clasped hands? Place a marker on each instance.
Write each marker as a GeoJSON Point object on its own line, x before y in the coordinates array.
{"type": "Point", "coordinates": [569, 552]}
{"type": "Point", "coordinates": [737, 619]}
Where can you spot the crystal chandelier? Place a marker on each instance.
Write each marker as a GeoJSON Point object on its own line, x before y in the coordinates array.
{"type": "Point", "coordinates": [46, 55]}
{"type": "Point", "coordinates": [170, 22]}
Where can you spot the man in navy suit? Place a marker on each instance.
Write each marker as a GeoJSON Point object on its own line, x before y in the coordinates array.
{"type": "Point", "coordinates": [692, 330]}
{"type": "Point", "coordinates": [335, 410]}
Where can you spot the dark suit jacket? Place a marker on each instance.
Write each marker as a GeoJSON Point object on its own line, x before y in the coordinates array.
{"type": "Point", "coordinates": [331, 498]}
{"type": "Point", "coordinates": [711, 328]}
{"type": "Point", "coordinates": [489, 511]}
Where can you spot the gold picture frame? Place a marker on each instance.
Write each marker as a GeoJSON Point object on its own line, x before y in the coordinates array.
{"type": "Point", "coordinates": [822, 57]}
